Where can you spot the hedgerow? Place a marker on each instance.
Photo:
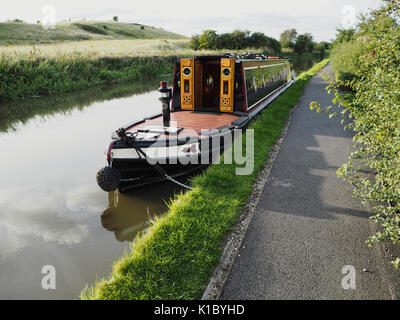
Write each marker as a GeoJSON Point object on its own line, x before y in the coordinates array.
{"type": "Point", "coordinates": [374, 113]}
{"type": "Point", "coordinates": [345, 58]}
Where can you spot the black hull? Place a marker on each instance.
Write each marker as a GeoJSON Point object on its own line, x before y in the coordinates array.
{"type": "Point", "coordinates": [138, 172]}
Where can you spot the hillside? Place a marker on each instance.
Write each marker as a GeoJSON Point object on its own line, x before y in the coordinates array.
{"type": "Point", "coordinates": [14, 33]}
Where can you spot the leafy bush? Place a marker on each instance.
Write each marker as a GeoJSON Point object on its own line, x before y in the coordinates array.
{"type": "Point", "coordinates": [208, 40]}
{"type": "Point", "coordinates": [38, 76]}
{"type": "Point", "coordinates": [374, 114]}
{"type": "Point", "coordinates": [344, 35]}
{"type": "Point", "coordinates": [345, 57]}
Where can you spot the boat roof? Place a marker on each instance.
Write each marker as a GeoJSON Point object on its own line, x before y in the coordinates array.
{"type": "Point", "coordinates": [239, 58]}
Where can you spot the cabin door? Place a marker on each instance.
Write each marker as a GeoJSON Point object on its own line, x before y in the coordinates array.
{"type": "Point", "coordinates": [210, 85]}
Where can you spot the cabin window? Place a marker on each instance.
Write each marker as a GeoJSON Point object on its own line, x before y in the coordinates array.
{"type": "Point", "coordinates": [226, 87]}
{"type": "Point", "coordinates": [210, 81]}
{"type": "Point", "coordinates": [186, 71]}
{"type": "Point", "coordinates": [186, 86]}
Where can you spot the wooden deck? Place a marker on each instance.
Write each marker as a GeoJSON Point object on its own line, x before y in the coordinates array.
{"type": "Point", "coordinates": [192, 122]}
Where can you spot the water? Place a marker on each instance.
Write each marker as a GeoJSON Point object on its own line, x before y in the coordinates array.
{"type": "Point", "coordinates": [302, 63]}
{"type": "Point", "coordinates": [51, 210]}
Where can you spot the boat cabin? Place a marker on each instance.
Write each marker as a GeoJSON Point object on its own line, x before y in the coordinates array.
{"type": "Point", "coordinates": [226, 83]}
{"type": "Point", "coordinates": [211, 97]}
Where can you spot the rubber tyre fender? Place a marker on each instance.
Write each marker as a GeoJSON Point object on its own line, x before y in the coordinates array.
{"type": "Point", "coordinates": [108, 178]}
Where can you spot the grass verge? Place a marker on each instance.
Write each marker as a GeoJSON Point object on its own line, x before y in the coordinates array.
{"type": "Point", "coordinates": [37, 76]}
{"type": "Point", "coordinates": [175, 258]}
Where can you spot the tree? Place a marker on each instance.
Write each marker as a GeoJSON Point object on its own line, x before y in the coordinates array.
{"type": "Point", "coordinates": [288, 38]}
{"type": "Point", "coordinates": [115, 18]}
{"type": "Point", "coordinates": [225, 41]}
{"type": "Point", "coordinates": [304, 44]}
{"type": "Point", "coordinates": [258, 40]}
{"type": "Point", "coordinates": [208, 39]}
{"type": "Point", "coordinates": [240, 39]}
{"type": "Point", "coordinates": [321, 48]}
{"type": "Point", "coordinates": [344, 35]}
{"type": "Point", "coordinates": [236, 40]}
{"type": "Point", "coordinates": [194, 42]}
{"type": "Point", "coordinates": [274, 45]}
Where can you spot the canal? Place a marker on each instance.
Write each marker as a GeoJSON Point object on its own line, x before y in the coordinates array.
{"type": "Point", "coordinates": [51, 209]}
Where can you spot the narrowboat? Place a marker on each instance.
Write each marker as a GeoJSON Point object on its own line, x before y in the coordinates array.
{"type": "Point", "coordinates": [211, 96]}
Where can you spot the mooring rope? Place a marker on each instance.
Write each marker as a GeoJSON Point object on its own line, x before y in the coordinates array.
{"type": "Point", "coordinates": [130, 139]}
{"type": "Point", "coordinates": [162, 171]}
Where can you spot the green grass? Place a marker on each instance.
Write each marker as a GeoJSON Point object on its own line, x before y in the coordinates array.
{"type": "Point", "coordinates": [33, 71]}
{"type": "Point", "coordinates": [103, 48]}
{"type": "Point", "coordinates": [175, 258]}
{"type": "Point", "coordinates": [37, 76]}
{"type": "Point", "coordinates": [12, 33]}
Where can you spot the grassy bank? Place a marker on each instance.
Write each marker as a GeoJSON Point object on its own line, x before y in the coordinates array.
{"type": "Point", "coordinates": [35, 75]}
{"type": "Point", "coordinates": [175, 258]}
{"type": "Point", "coordinates": [12, 33]}
{"type": "Point", "coordinates": [33, 71]}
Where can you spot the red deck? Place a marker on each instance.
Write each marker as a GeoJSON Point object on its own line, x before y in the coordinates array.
{"type": "Point", "coordinates": [192, 122]}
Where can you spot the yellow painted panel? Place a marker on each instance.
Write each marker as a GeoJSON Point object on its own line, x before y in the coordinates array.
{"type": "Point", "coordinates": [227, 85]}
{"type": "Point", "coordinates": [226, 62]}
{"type": "Point", "coordinates": [187, 84]}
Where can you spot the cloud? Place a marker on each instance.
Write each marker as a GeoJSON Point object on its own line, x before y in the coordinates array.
{"type": "Point", "coordinates": [272, 17]}
{"type": "Point", "coordinates": [52, 215]}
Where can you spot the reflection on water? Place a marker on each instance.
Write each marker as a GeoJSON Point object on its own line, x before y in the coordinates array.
{"type": "Point", "coordinates": [128, 213]}
{"type": "Point", "coordinates": [51, 210]}
{"type": "Point", "coordinates": [302, 63]}
{"type": "Point", "coordinates": [21, 111]}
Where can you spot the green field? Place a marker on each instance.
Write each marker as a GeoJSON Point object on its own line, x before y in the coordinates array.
{"type": "Point", "coordinates": [104, 48]}
{"type": "Point", "coordinates": [17, 33]}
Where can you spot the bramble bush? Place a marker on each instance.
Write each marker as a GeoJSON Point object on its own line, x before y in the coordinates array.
{"type": "Point", "coordinates": [374, 114]}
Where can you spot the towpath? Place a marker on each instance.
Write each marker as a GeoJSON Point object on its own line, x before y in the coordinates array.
{"type": "Point", "coordinates": [307, 227]}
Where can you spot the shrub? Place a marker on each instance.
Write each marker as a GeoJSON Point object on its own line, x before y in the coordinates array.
{"type": "Point", "coordinates": [208, 40]}
{"type": "Point", "coordinates": [374, 115]}
{"type": "Point", "coordinates": [345, 57]}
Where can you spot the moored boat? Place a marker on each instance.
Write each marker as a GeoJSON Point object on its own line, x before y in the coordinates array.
{"type": "Point", "coordinates": [211, 97]}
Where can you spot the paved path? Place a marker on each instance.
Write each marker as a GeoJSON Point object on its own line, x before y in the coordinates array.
{"type": "Point", "coordinates": [307, 227]}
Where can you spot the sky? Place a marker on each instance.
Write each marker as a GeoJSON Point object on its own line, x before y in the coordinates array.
{"type": "Point", "coordinates": [319, 17]}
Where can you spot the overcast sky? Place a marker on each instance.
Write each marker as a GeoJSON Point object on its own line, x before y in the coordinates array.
{"type": "Point", "coordinates": [320, 17]}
